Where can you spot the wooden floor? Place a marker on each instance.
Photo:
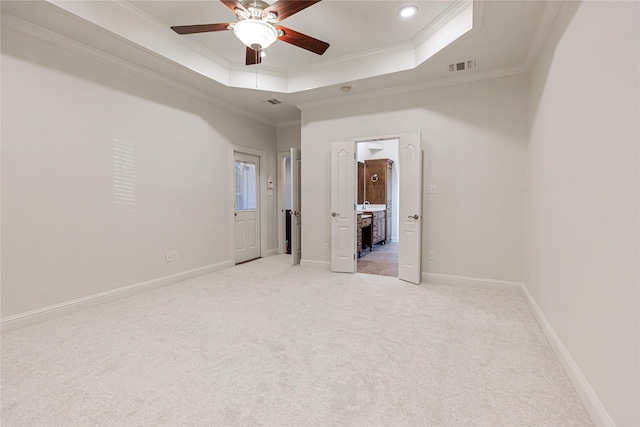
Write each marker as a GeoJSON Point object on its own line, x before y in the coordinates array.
{"type": "Point", "coordinates": [383, 260]}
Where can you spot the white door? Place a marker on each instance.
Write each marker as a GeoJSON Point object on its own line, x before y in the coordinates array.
{"type": "Point", "coordinates": [247, 207]}
{"type": "Point", "coordinates": [296, 212]}
{"type": "Point", "coordinates": [343, 212]}
{"type": "Point", "coordinates": [410, 212]}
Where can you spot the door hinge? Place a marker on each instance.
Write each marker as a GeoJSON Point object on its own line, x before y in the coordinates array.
{"type": "Point", "coordinates": [354, 256]}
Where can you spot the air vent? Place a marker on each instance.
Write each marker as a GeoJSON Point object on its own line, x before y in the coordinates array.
{"type": "Point", "coordinates": [273, 101]}
{"type": "Point", "coordinates": [462, 66]}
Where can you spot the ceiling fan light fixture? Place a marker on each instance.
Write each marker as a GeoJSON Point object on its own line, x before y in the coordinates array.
{"type": "Point", "coordinates": [408, 11]}
{"type": "Point", "coordinates": [255, 34]}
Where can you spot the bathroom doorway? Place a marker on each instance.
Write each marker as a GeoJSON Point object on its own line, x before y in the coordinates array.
{"type": "Point", "coordinates": [377, 207]}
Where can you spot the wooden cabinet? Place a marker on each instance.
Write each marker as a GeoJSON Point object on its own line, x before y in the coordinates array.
{"type": "Point", "coordinates": [378, 227]}
{"type": "Point", "coordinates": [378, 191]}
{"type": "Point", "coordinates": [361, 198]}
{"type": "Point", "coordinates": [364, 232]}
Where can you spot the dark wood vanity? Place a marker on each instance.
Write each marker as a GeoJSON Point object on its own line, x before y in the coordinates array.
{"type": "Point", "coordinates": [374, 186]}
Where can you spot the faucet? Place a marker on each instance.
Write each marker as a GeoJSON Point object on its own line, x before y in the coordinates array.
{"type": "Point", "coordinates": [365, 204]}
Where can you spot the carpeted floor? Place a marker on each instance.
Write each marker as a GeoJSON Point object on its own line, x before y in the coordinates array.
{"type": "Point", "coordinates": [265, 343]}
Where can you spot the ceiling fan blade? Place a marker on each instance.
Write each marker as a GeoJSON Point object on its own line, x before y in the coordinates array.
{"type": "Point", "coordinates": [302, 40]}
{"type": "Point", "coordinates": [204, 28]}
{"type": "Point", "coordinates": [253, 56]}
{"type": "Point", "coordinates": [286, 8]}
{"type": "Point", "coordinates": [233, 5]}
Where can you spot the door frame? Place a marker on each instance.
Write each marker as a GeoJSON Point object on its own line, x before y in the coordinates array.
{"type": "Point", "coordinates": [282, 155]}
{"type": "Point", "coordinates": [262, 155]}
{"type": "Point", "coordinates": [394, 135]}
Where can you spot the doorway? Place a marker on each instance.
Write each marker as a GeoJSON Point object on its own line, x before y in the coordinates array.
{"type": "Point", "coordinates": [377, 207]}
{"type": "Point", "coordinates": [289, 204]}
{"type": "Point", "coordinates": [344, 183]}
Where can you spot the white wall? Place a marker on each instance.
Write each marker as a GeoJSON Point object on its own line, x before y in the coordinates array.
{"type": "Point", "coordinates": [474, 137]}
{"type": "Point", "coordinates": [389, 151]}
{"type": "Point", "coordinates": [288, 134]}
{"type": "Point", "coordinates": [583, 210]}
{"type": "Point", "coordinates": [65, 232]}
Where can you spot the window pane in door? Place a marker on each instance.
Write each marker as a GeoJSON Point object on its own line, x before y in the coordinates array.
{"type": "Point", "coordinates": [245, 186]}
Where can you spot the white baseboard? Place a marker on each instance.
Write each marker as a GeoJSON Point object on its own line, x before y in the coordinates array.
{"type": "Point", "coordinates": [592, 404]}
{"type": "Point", "coordinates": [321, 265]}
{"type": "Point", "coordinates": [39, 315]}
{"type": "Point", "coordinates": [474, 282]}
{"type": "Point", "coordinates": [271, 252]}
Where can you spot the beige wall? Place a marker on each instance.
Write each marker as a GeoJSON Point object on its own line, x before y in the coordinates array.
{"type": "Point", "coordinates": [66, 233]}
{"type": "Point", "coordinates": [474, 139]}
{"type": "Point", "coordinates": [583, 191]}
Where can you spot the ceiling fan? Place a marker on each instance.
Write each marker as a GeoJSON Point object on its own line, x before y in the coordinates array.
{"type": "Point", "coordinates": [256, 27]}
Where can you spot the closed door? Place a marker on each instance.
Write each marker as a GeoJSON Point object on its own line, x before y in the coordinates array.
{"type": "Point", "coordinates": [247, 211]}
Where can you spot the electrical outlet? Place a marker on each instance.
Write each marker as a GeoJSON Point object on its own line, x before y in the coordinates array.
{"type": "Point", "coordinates": [431, 189]}
{"type": "Point", "coordinates": [174, 256]}
{"type": "Point", "coordinates": [168, 258]}
{"type": "Point", "coordinates": [326, 246]}
{"type": "Point", "coordinates": [432, 255]}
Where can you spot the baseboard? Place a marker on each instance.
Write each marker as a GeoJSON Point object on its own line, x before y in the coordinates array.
{"type": "Point", "coordinates": [593, 405]}
{"type": "Point", "coordinates": [395, 240]}
{"type": "Point", "coordinates": [271, 252]}
{"type": "Point", "coordinates": [36, 316]}
{"type": "Point", "coordinates": [321, 265]}
{"type": "Point", "coordinates": [474, 282]}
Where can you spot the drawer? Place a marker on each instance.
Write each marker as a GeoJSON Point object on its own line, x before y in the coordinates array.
{"type": "Point", "coordinates": [366, 222]}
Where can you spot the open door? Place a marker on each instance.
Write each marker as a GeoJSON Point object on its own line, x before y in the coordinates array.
{"type": "Point", "coordinates": [410, 220]}
{"type": "Point", "coordinates": [296, 215]}
{"type": "Point", "coordinates": [343, 212]}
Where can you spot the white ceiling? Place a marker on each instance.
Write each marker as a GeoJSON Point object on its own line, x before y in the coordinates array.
{"type": "Point", "coordinates": [372, 49]}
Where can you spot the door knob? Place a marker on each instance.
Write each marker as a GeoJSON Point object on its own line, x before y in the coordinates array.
{"type": "Point", "coordinates": [414, 217]}
{"type": "Point", "coordinates": [295, 213]}
{"type": "Point", "coordinates": [334, 214]}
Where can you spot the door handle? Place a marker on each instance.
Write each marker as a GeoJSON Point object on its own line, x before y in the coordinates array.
{"type": "Point", "coordinates": [414, 217]}
{"type": "Point", "coordinates": [334, 214]}
{"type": "Point", "coordinates": [294, 213]}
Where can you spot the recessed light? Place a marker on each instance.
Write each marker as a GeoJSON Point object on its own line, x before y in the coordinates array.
{"type": "Point", "coordinates": [407, 11]}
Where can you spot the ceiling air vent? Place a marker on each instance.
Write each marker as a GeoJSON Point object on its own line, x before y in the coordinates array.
{"type": "Point", "coordinates": [273, 101]}
{"type": "Point", "coordinates": [462, 66]}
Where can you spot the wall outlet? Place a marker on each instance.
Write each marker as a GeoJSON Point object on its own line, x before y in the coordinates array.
{"type": "Point", "coordinates": [431, 189]}
{"type": "Point", "coordinates": [168, 258]}
{"type": "Point", "coordinates": [432, 255]}
{"type": "Point", "coordinates": [174, 256]}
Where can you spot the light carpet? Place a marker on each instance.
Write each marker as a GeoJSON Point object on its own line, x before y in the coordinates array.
{"type": "Point", "coordinates": [265, 343]}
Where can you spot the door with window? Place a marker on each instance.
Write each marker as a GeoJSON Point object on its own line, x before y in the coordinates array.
{"type": "Point", "coordinates": [247, 203]}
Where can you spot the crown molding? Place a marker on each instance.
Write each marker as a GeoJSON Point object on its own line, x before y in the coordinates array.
{"type": "Point", "coordinates": [22, 26]}
{"type": "Point", "coordinates": [355, 58]}
{"type": "Point", "coordinates": [416, 87]}
{"type": "Point", "coordinates": [542, 31]}
{"type": "Point", "coordinates": [156, 27]}
{"type": "Point", "coordinates": [441, 20]}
